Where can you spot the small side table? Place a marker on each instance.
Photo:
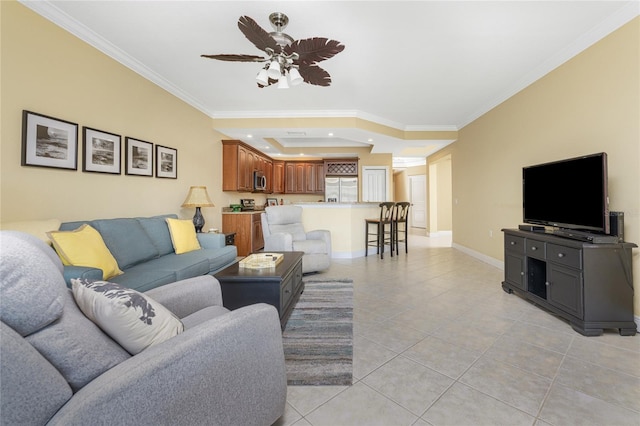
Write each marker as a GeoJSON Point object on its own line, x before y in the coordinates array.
{"type": "Point", "coordinates": [230, 239]}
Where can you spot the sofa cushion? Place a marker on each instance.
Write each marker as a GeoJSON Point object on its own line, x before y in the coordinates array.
{"type": "Point", "coordinates": [144, 276]}
{"type": "Point", "coordinates": [183, 235]}
{"type": "Point", "coordinates": [184, 265]}
{"type": "Point", "coordinates": [133, 319]}
{"type": "Point", "coordinates": [33, 292]}
{"type": "Point", "coordinates": [127, 240]}
{"type": "Point", "coordinates": [158, 231]}
{"type": "Point", "coordinates": [31, 389]}
{"type": "Point", "coordinates": [78, 349]}
{"type": "Point", "coordinates": [85, 247]}
{"type": "Point", "coordinates": [36, 303]}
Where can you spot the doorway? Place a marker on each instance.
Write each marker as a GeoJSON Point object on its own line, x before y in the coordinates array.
{"type": "Point", "coordinates": [418, 199]}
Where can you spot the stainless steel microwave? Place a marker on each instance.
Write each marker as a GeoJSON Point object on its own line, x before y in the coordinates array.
{"type": "Point", "coordinates": [259, 181]}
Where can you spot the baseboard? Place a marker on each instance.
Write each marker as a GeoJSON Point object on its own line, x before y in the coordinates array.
{"type": "Point", "coordinates": [483, 257]}
{"type": "Point", "coordinates": [439, 234]}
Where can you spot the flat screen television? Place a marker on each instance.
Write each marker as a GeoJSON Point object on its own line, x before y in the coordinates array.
{"type": "Point", "coordinates": [569, 194]}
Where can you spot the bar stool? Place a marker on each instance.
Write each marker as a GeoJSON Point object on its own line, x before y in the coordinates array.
{"type": "Point", "coordinates": [383, 230]}
{"type": "Point", "coordinates": [400, 222]}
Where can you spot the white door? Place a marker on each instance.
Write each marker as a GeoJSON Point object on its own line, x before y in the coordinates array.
{"type": "Point", "coordinates": [375, 184]}
{"type": "Point", "coordinates": [418, 193]}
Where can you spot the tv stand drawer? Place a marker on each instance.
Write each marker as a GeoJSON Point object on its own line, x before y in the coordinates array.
{"type": "Point", "coordinates": [563, 255]}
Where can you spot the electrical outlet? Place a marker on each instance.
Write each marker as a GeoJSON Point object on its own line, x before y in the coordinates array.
{"type": "Point", "coordinates": [490, 233]}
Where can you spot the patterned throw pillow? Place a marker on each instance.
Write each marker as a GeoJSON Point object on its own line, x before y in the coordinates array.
{"type": "Point", "coordinates": [132, 319]}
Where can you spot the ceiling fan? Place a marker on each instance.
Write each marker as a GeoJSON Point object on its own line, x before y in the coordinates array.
{"type": "Point", "coordinates": [288, 61]}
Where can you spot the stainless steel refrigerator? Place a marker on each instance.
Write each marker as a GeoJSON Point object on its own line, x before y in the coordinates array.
{"type": "Point", "coordinates": [341, 190]}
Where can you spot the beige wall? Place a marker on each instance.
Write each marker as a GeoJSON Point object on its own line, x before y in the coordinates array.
{"type": "Point", "coordinates": [587, 105]}
{"type": "Point", "coordinates": [439, 196]}
{"type": "Point", "coordinates": [49, 71]}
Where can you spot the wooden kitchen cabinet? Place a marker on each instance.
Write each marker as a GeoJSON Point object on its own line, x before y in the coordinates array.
{"type": "Point", "coordinates": [248, 231]}
{"type": "Point", "coordinates": [239, 161]}
{"type": "Point", "coordinates": [278, 177]}
{"type": "Point", "coordinates": [304, 177]}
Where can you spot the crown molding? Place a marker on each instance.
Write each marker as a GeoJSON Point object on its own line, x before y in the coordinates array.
{"type": "Point", "coordinates": [622, 16]}
{"type": "Point", "coordinates": [49, 11]}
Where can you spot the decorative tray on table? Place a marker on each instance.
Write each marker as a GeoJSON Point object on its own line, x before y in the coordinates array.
{"type": "Point", "coordinates": [261, 260]}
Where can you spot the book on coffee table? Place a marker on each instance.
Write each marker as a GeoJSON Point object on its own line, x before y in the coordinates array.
{"type": "Point", "coordinates": [261, 260]}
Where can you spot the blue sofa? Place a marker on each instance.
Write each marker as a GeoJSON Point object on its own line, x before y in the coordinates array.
{"type": "Point", "coordinates": [143, 249]}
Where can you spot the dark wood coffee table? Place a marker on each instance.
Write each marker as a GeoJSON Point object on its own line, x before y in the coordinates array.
{"type": "Point", "coordinates": [280, 287]}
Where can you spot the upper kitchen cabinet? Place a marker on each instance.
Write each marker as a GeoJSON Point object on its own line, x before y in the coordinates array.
{"type": "Point", "coordinates": [304, 177]}
{"type": "Point", "coordinates": [239, 162]}
{"type": "Point", "coordinates": [278, 177]}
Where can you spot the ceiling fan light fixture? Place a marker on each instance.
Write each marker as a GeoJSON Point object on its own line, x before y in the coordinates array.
{"type": "Point", "coordinates": [274, 71]}
{"type": "Point", "coordinates": [263, 77]}
{"type": "Point", "coordinates": [294, 77]}
{"type": "Point", "coordinates": [282, 82]}
{"type": "Point", "coordinates": [285, 57]}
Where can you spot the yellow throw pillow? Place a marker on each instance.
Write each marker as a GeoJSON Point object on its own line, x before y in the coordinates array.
{"type": "Point", "coordinates": [85, 247]}
{"type": "Point", "coordinates": [183, 235]}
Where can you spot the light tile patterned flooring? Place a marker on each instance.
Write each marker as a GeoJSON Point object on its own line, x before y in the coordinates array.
{"type": "Point", "coordinates": [438, 342]}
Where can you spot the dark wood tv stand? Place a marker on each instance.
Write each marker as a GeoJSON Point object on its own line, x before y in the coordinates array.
{"type": "Point", "coordinates": [590, 285]}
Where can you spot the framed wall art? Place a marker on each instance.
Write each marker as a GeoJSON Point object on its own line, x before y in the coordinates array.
{"type": "Point", "coordinates": [166, 162]}
{"type": "Point", "coordinates": [49, 142]}
{"type": "Point", "coordinates": [138, 157]}
{"type": "Point", "coordinates": [101, 151]}
{"type": "Point", "coordinates": [272, 202]}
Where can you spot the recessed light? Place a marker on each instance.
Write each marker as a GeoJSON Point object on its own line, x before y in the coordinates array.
{"type": "Point", "coordinates": [330, 134]}
{"type": "Point", "coordinates": [249, 136]}
{"type": "Point", "coordinates": [369, 140]}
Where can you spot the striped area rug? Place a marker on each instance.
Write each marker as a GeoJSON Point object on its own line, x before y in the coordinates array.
{"type": "Point", "coordinates": [318, 338]}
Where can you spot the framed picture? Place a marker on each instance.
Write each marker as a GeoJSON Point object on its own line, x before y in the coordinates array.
{"type": "Point", "coordinates": [166, 162]}
{"type": "Point", "coordinates": [138, 157]}
{"type": "Point", "coordinates": [272, 202]}
{"type": "Point", "coordinates": [49, 142]}
{"type": "Point", "coordinates": [101, 151]}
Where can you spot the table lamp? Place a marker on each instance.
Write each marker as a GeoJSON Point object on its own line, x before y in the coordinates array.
{"type": "Point", "coordinates": [198, 197]}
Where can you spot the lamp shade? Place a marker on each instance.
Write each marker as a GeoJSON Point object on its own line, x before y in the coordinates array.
{"type": "Point", "coordinates": [282, 82]}
{"type": "Point", "coordinates": [263, 78]}
{"type": "Point", "coordinates": [197, 197]}
{"type": "Point", "coordinates": [274, 70]}
{"type": "Point", "coordinates": [294, 77]}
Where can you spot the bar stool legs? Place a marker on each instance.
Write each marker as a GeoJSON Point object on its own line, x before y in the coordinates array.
{"type": "Point", "coordinates": [400, 225]}
{"type": "Point", "coordinates": [383, 230]}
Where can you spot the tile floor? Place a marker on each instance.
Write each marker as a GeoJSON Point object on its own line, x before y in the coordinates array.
{"type": "Point", "coordinates": [438, 342]}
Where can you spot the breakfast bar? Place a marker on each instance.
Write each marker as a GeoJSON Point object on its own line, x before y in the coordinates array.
{"type": "Point", "coordinates": [344, 220]}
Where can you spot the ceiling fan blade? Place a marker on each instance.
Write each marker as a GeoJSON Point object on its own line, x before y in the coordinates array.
{"type": "Point", "coordinates": [312, 50]}
{"type": "Point", "coordinates": [315, 75]}
{"type": "Point", "coordinates": [236, 58]}
{"type": "Point", "coordinates": [256, 35]}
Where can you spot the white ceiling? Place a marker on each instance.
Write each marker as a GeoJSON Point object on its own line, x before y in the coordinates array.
{"type": "Point", "coordinates": [410, 65]}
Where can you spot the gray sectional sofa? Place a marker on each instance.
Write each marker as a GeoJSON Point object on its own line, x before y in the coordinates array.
{"type": "Point", "coordinates": [59, 368]}
{"type": "Point", "coordinates": [143, 249]}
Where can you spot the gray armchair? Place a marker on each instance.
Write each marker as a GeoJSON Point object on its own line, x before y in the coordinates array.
{"type": "Point", "coordinates": [283, 231]}
{"type": "Point", "coordinates": [57, 367]}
